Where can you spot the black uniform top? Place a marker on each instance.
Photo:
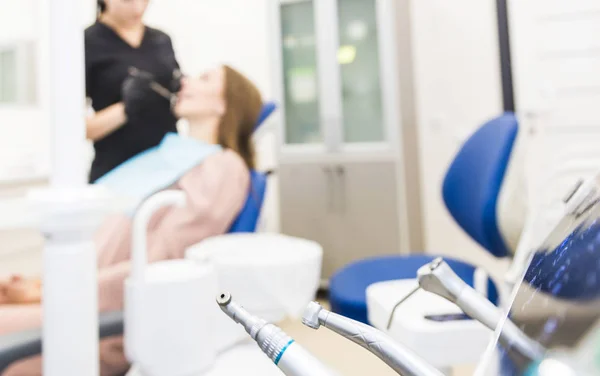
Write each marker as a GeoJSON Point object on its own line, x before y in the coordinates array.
{"type": "Point", "coordinates": [107, 60]}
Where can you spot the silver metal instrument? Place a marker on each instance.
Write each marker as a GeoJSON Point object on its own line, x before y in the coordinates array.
{"type": "Point", "coordinates": [399, 358]}
{"type": "Point", "coordinates": [289, 356]}
{"type": "Point", "coordinates": [438, 278]}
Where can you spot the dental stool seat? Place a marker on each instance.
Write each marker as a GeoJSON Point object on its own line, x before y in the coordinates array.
{"type": "Point", "coordinates": [347, 289]}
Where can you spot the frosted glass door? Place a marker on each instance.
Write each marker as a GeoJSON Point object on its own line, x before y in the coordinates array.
{"type": "Point", "coordinates": [18, 74]}
{"type": "Point", "coordinates": [359, 62]}
{"type": "Point", "coordinates": [8, 75]}
{"type": "Point", "coordinates": [300, 79]}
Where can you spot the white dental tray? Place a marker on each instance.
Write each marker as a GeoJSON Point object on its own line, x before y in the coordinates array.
{"type": "Point", "coordinates": [443, 344]}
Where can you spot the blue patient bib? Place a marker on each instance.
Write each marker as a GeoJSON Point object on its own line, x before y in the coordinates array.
{"type": "Point", "coordinates": [157, 168]}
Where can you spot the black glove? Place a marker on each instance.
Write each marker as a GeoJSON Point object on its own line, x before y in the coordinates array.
{"type": "Point", "coordinates": [175, 85]}
{"type": "Point", "coordinates": [137, 92]}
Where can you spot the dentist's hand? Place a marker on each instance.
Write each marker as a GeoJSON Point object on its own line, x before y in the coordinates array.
{"type": "Point", "coordinates": [136, 92]}
{"type": "Point", "coordinates": [175, 85]}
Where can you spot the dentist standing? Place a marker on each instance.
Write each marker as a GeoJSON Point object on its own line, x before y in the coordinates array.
{"type": "Point", "coordinates": [129, 116]}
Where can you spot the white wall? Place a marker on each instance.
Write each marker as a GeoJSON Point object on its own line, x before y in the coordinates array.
{"type": "Point", "coordinates": [23, 142]}
{"type": "Point", "coordinates": [207, 33]}
{"type": "Point", "coordinates": [23, 128]}
{"type": "Point", "coordinates": [458, 87]}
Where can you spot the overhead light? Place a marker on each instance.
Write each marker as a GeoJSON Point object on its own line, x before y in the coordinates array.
{"type": "Point", "coordinates": [290, 42]}
{"type": "Point", "coordinates": [357, 30]}
{"type": "Point", "coordinates": [307, 41]}
{"type": "Point", "coordinates": [346, 54]}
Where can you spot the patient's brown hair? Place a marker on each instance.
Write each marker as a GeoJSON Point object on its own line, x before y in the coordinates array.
{"type": "Point", "coordinates": [243, 106]}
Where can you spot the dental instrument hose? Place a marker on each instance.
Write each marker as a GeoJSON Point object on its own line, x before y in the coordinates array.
{"type": "Point", "coordinates": [289, 356]}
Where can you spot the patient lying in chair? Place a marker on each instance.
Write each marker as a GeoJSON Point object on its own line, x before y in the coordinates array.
{"type": "Point", "coordinates": [222, 107]}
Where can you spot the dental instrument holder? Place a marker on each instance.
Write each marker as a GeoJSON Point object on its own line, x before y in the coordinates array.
{"type": "Point", "coordinates": [399, 358]}
{"type": "Point", "coordinates": [68, 220]}
{"type": "Point", "coordinates": [286, 354]}
{"type": "Point", "coordinates": [168, 316]}
{"type": "Point", "coordinates": [438, 278]}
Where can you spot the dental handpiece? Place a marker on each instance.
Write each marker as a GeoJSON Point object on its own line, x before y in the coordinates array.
{"type": "Point", "coordinates": [289, 356]}
{"type": "Point", "coordinates": [399, 358]}
{"type": "Point", "coordinates": [438, 278]}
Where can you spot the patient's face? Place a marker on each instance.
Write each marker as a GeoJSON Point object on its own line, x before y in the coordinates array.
{"type": "Point", "coordinates": [202, 96]}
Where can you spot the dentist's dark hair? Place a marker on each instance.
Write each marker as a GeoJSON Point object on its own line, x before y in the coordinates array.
{"type": "Point", "coordinates": [101, 7]}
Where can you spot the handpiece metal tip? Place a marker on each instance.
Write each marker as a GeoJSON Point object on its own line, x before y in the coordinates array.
{"type": "Point", "coordinates": [224, 299]}
{"type": "Point", "coordinates": [436, 263]}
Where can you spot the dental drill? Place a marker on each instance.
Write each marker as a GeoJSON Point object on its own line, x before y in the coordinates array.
{"type": "Point", "coordinates": [289, 356]}
{"type": "Point", "coordinates": [438, 278]}
{"type": "Point", "coordinates": [399, 358]}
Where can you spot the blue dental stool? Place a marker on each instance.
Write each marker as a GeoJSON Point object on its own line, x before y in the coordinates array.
{"type": "Point", "coordinates": [470, 191]}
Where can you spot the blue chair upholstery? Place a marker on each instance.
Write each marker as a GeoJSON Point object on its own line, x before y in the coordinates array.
{"type": "Point", "coordinates": [247, 220]}
{"type": "Point", "coordinates": [248, 217]}
{"type": "Point", "coordinates": [473, 182]}
{"type": "Point", "coordinates": [267, 110]}
{"type": "Point", "coordinates": [470, 191]}
{"type": "Point", "coordinates": [347, 288]}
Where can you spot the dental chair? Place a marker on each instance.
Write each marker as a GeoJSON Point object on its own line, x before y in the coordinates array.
{"type": "Point", "coordinates": [471, 190]}
{"type": "Point", "coordinates": [21, 345]}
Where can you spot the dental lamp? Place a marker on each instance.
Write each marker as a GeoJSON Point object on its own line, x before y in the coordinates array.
{"type": "Point", "coordinates": [399, 358]}
{"type": "Point", "coordinates": [438, 278]}
{"type": "Point", "coordinates": [289, 356]}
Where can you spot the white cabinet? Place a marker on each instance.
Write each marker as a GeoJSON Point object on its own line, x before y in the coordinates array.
{"type": "Point", "coordinates": [368, 222]}
{"type": "Point", "coordinates": [340, 161]}
{"type": "Point", "coordinates": [350, 208]}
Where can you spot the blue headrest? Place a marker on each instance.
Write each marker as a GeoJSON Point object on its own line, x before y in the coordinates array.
{"type": "Point", "coordinates": [473, 181]}
{"type": "Point", "coordinates": [267, 109]}
{"type": "Point", "coordinates": [247, 220]}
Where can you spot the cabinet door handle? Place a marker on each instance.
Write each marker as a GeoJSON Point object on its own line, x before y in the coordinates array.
{"type": "Point", "coordinates": [330, 188]}
{"type": "Point", "coordinates": [341, 178]}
